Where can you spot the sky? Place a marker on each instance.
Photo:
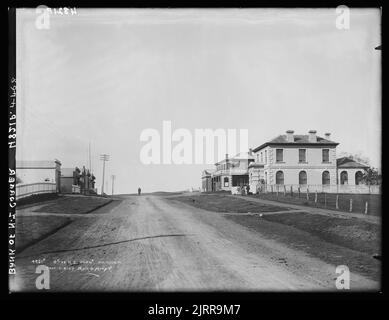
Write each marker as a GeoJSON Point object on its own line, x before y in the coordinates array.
{"type": "Point", "coordinates": [102, 76]}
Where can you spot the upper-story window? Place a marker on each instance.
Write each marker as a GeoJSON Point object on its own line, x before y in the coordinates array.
{"type": "Point", "coordinates": [279, 155]}
{"type": "Point", "coordinates": [261, 157]}
{"type": "Point", "coordinates": [265, 156]}
{"type": "Point", "coordinates": [257, 157]}
{"type": "Point", "coordinates": [326, 155]}
{"type": "Point", "coordinates": [302, 155]}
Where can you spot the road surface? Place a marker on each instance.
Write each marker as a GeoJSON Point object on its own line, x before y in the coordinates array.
{"type": "Point", "coordinates": [151, 243]}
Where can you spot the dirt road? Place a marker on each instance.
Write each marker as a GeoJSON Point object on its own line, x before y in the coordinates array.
{"type": "Point", "coordinates": [152, 243]}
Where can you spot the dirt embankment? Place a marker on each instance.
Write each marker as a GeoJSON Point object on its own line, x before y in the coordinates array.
{"type": "Point", "coordinates": [335, 240]}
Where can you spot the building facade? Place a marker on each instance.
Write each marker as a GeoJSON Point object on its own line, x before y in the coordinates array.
{"type": "Point", "coordinates": [228, 173]}
{"type": "Point", "coordinates": [291, 160]}
{"type": "Point", "coordinates": [297, 160]}
{"type": "Point", "coordinates": [74, 180]}
{"type": "Point", "coordinates": [349, 171]}
{"type": "Point", "coordinates": [35, 171]}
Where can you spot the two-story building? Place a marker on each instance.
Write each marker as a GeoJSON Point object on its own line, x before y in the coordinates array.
{"type": "Point", "coordinates": [295, 160]}
{"type": "Point", "coordinates": [228, 173]}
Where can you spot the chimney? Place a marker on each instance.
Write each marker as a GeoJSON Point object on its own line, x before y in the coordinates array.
{"type": "Point", "coordinates": [312, 136]}
{"type": "Point", "coordinates": [327, 136]}
{"type": "Point", "coordinates": [289, 136]}
{"type": "Point", "coordinates": [226, 156]}
{"type": "Point", "coordinates": [250, 151]}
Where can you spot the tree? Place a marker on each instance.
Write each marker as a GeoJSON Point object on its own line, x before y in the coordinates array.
{"type": "Point", "coordinates": [372, 177]}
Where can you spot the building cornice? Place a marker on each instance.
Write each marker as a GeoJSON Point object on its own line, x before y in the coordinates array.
{"type": "Point", "coordinates": [295, 144]}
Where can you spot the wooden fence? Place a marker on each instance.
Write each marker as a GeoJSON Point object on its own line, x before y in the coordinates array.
{"type": "Point", "coordinates": [24, 190]}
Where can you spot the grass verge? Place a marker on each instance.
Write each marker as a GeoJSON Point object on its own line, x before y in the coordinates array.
{"type": "Point", "coordinates": [226, 203]}
{"type": "Point", "coordinates": [31, 229]}
{"type": "Point", "coordinates": [71, 205]}
{"type": "Point", "coordinates": [333, 240]}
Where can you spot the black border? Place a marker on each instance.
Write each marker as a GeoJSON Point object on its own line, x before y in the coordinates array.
{"type": "Point", "coordinates": [249, 301]}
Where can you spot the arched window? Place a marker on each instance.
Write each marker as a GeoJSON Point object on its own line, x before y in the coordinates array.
{"type": "Point", "coordinates": [226, 182]}
{"type": "Point", "coordinates": [325, 178]}
{"type": "Point", "coordinates": [358, 177]}
{"type": "Point", "coordinates": [302, 177]}
{"type": "Point", "coordinates": [279, 177]}
{"type": "Point", "coordinates": [343, 177]}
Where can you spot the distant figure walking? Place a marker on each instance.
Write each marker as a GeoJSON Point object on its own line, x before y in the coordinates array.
{"type": "Point", "coordinates": [139, 191]}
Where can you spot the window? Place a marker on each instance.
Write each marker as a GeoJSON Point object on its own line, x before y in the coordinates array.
{"type": "Point", "coordinates": [257, 157]}
{"type": "Point", "coordinates": [279, 155]}
{"type": "Point", "coordinates": [358, 177]}
{"type": "Point", "coordinates": [226, 183]}
{"type": "Point", "coordinates": [302, 155]}
{"type": "Point", "coordinates": [302, 177]}
{"type": "Point", "coordinates": [261, 157]}
{"type": "Point", "coordinates": [279, 177]}
{"type": "Point", "coordinates": [326, 155]}
{"type": "Point", "coordinates": [265, 156]}
{"type": "Point", "coordinates": [343, 177]}
{"type": "Point", "coordinates": [325, 179]}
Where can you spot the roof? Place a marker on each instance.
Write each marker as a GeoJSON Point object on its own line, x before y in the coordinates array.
{"type": "Point", "coordinates": [37, 164]}
{"type": "Point", "coordinates": [299, 139]}
{"type": "Point", "coordinates": [243, 156]}
{"type": "Point", "coordinates": [347, 162]}
{"type": "Point", "coordinates": [239, 156]}
{"type": "Point", "coordinates": [256, 165]}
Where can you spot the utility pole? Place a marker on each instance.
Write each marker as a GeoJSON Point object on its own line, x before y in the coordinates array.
{"type": "Point", "coordinates": [113, 181]}
{"type": "Point", "coordinates": [103, 157]}
{"type": "Point", "coordinates": [90, 159]}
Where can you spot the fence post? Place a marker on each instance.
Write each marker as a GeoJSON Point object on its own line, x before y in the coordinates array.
{"type": "Point", "coordinates": [298, 189]}
{"type": "Point", "coordinates": [291, 191]}
{"type": "Point", "coordinates": [337, 202]}
{"type": "Point", "coordinates": [316, 196]}
{"type": "Point", "coordinates": [307, 193]}
{"type": "Point", "coordinates": [284, 190]}
{"type": "Point", "coordinates": [366, 206]}
{"type": "Point", "coordinates": [271, 187]}
{"type": "Point", "coordinates": [351, 205]}
{"type": "Point", "coordinates": [325, 200]}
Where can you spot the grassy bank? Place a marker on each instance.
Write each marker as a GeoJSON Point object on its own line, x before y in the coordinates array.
{"type": "Point", "coordinates": [31, 229]}
{"type": "Point", "coordinates": [72, 204]}
{"type": "Point", "coordinates": [36, 199]}
{"type": "Point", "coordinates": [328, 201]}
{"type": "Point", "coordinates": [226, 203]}
{"type": "Point", "coordinates": [335, 241]}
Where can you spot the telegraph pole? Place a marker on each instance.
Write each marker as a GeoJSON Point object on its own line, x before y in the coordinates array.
{"type": "Point", "coordinates": [103, 157]}
{"type": "Point", "coordinates": [113, 181]}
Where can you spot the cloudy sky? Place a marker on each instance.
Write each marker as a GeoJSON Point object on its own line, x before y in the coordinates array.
{"type": "Point", "coordinates": [102, 76]}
